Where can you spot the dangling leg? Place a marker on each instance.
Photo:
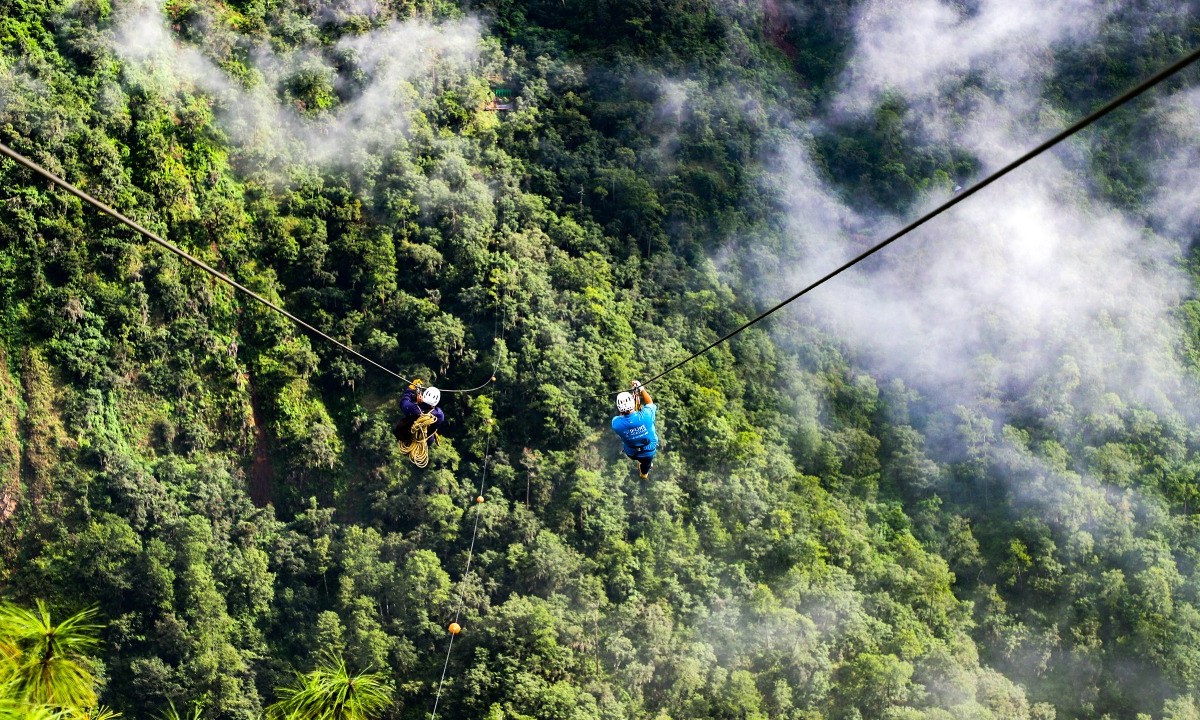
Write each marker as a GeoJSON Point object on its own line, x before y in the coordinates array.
{"type": "Point", "coordinates": [644, 465]}
{"type": "Point", "coordinates": [402, 431]}
{"type": "Point", "coordinates": [413, 436]}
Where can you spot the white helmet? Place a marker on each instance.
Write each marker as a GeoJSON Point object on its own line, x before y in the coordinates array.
{"type": "Point", "coordinates": [624, 402]}
{"type": "Point", "coordinates": [430, 396]}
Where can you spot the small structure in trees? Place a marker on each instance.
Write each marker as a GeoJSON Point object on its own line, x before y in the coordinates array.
{"type": "Point", "coordinates": [501, 100]}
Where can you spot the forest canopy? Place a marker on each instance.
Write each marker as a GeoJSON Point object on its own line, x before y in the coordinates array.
{"type": "Point", "coordinates": [960, 482]}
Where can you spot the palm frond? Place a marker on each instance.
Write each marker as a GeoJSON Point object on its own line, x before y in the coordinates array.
{"type": "Point", "coordinates": [96, 713]}
{"type": "Point", "coordinates": [172, 713]}
{"type": "Point", "coordinates": [15, 710]}
{"type": "Point", "coordinates": [330, 692]}
{"type": "Point", "coordinates": [45, 664]}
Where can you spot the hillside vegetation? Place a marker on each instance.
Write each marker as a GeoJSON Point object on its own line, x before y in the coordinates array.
{"type": "Point", "coordinates": [820, 539]}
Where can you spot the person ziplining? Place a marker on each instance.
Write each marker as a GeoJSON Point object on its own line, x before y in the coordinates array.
{"type": "Point", "coordinates": [635, 427]}
{"type": "Point", "coordinates": [421, 422]}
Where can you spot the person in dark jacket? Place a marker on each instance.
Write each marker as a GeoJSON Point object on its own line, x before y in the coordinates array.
{"type": "Point", "coordinates": [415, 402]}
{"type": "Point", "coordinates": [635, 427]}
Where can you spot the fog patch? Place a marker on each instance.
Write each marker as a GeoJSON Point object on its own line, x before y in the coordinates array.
{"type": "Point", "coordinates": [381, 78]}
{"type": "Point", "coordinates": [1176, 202]}
{"type": "Point", "coordinates": [918, 48]}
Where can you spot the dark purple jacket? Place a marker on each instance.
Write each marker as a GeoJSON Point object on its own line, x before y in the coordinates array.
{"type": "Point", "coordinates": [412, 408]}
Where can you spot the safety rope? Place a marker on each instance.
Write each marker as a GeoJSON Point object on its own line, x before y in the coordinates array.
{"type": "Point", "coordinates": [477, 388]}
{"type": "Point", "coordinates": [1079, 125]}
{"type": "Point", "coordinates": [172, 247]}
{"type": "Point", "coordinates": [417, 448]}
{"type": "Point", "coordinates": [462, 593]}
{"type": "Point", "coordinates": [498, 326]}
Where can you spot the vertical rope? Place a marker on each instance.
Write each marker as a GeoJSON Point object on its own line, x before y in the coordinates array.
{"type": "Point", "coordinates": [445, 666]}
{"type": "Point", "coordinates": [462, 587]}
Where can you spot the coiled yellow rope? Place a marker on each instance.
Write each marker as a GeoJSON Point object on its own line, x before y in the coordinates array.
{"type": "Point", "coordinates": [418, 448]}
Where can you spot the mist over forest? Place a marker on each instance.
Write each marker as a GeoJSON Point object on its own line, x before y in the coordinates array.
{"type": "Point", "coordinates": [960, 481]}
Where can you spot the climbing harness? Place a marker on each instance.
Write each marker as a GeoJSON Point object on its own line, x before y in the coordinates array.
{"type": "Point", "coordinates": [417, 449]}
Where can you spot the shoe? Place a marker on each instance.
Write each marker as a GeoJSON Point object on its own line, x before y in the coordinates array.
{"type": "Point", "coordinates": [643, 475]}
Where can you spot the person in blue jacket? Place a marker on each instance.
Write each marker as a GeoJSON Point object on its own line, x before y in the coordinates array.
{"type": "Point", "coordinates": [414, 402]}
{"type": "Point", "coordinates": [635, 427]}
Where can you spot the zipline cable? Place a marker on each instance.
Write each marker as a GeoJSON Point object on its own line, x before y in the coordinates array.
{"type": "Point", "coordinates": [172, 247]}
{"type": "Point", "coordinates": [497, 326]}
{"type": "Point", "coordinates": [154, 237]}
{"type": "Point", "coordinates": [1120, 100]}
{"type": "Point", "coordinates": [477, 388]}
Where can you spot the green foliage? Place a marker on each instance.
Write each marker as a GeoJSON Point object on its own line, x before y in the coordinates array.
{"type": "Point", "coordinates": [877, 164]}
{"type": "Point", "coordinates": [815, 542]}
{"type": "Point", "coordinates": [331, 692]}
{"type": "Point", "coordinates": [45, 667]}
{"type": "Point", "coordinates": [173, 713]}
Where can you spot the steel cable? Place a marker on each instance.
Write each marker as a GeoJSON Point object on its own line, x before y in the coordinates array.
{"type": "Point", "coordinates": [1074, 128]}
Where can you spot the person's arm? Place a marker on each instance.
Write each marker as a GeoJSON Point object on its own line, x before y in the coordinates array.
{"type": "Point", "coordinates": [642, 394]}
{"type": "Point", "coordinates": [440, 418]}
{"type": "Point", "coordinates": [408, 402]}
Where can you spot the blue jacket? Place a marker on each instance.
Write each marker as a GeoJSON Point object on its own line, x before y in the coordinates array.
{"type": "Point", "coordinates": [637, 432]}
{"type": "Point", "coordinates": [412, 408]}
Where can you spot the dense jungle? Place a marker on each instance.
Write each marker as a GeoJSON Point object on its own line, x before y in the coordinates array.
{"type": "Point", "coordinates": [960, 482]}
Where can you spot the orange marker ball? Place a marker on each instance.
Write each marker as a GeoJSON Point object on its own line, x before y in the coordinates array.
{"type": "Point", "coordinates": [479, 499]}
{"type": "Point", "coordinates": [455, 628]}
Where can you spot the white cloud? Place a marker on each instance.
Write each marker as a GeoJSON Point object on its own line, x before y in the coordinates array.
{"type": "Point", "coordinates": [916, 47]}
{"type": "Point", "coordinates": [1029, 274]}
{"type": "Point", "coordinates": [1023, 274]}
{"type": "Point", "coordinates": [391, 63]}
{"type": "Point", "coordinates": [1177, 197]}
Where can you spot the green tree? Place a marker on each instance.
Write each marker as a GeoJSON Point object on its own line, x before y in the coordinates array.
{"type": "Point", "coordinates": [14, 710]}
{"type": "Point", "coordinates": [48, 663]}
{"type": "Point", "coordinates": [330, 692]}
